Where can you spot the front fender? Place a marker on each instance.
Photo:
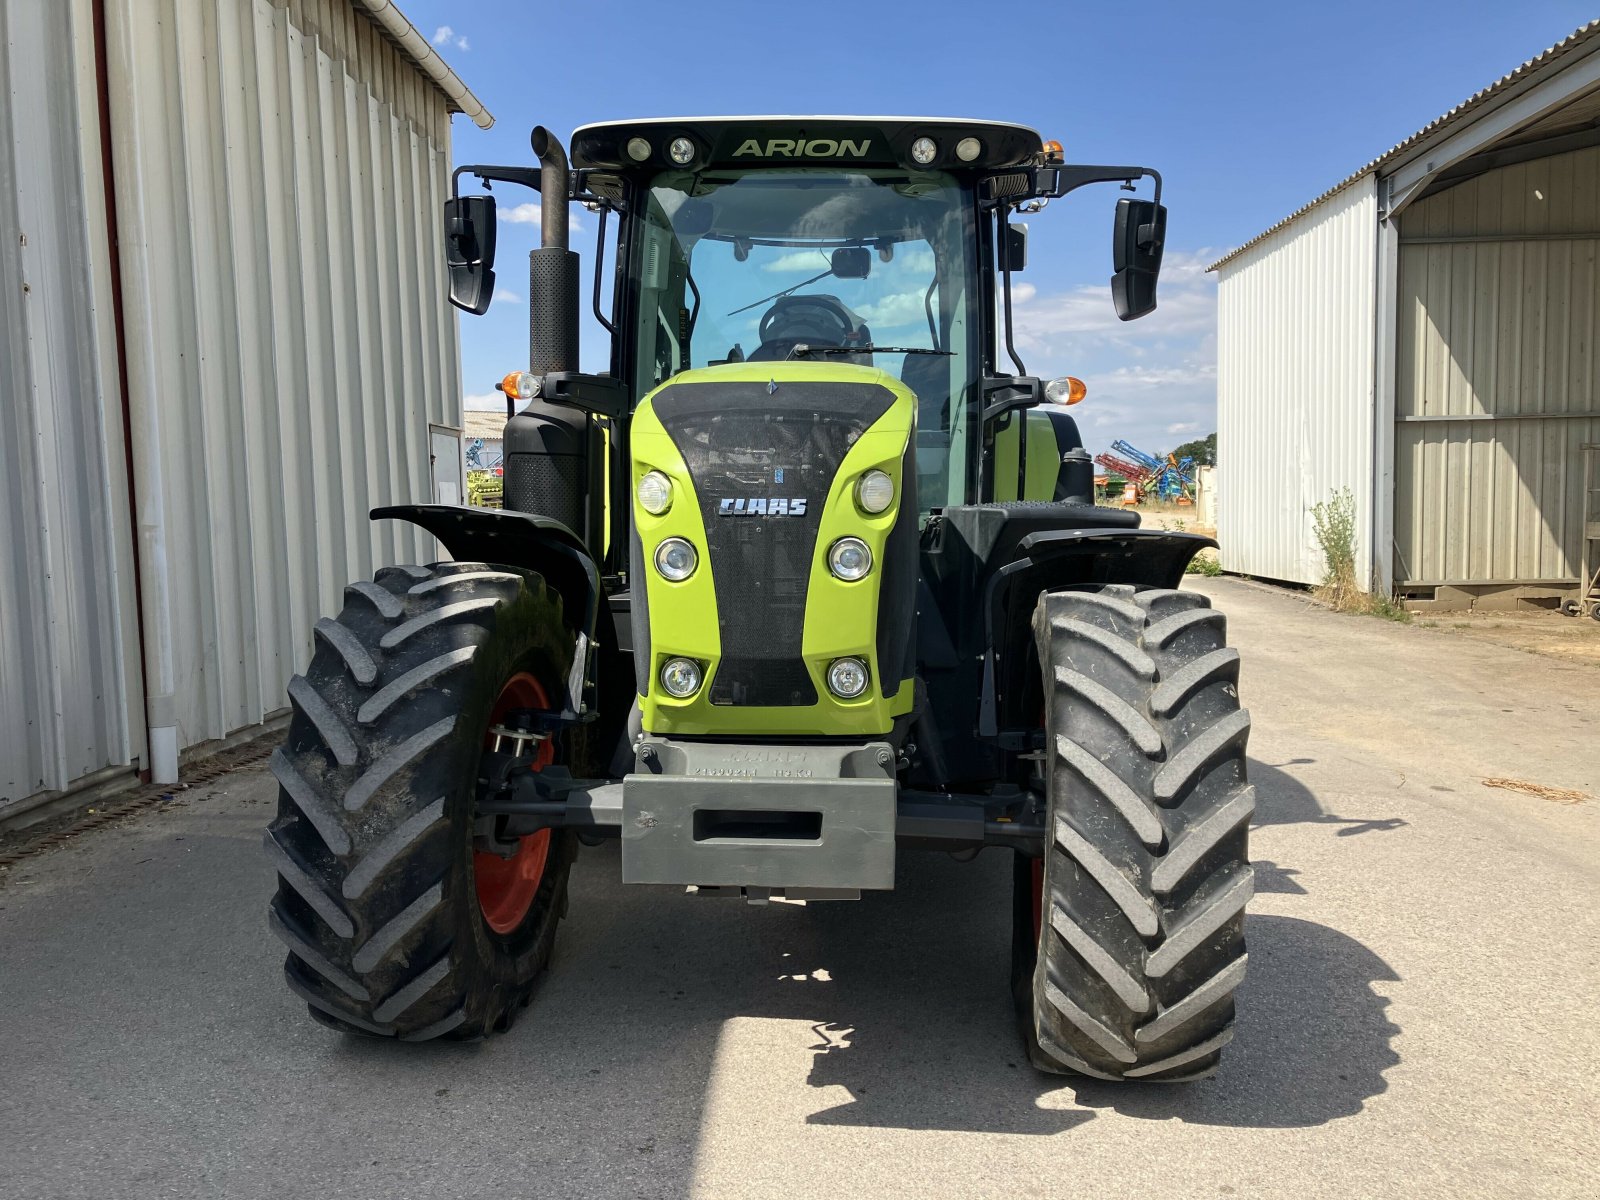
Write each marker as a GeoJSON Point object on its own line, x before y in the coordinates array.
{"type": "Point", "coordinates": [514, 539]}
{"type": "Point", "coordinates": [1061, 558]}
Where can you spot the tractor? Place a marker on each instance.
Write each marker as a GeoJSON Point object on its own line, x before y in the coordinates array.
{"type": "Point", "coordinates": [811, 575]}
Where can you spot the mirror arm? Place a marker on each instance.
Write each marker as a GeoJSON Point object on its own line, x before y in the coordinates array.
{"type": "Point", "coordinates": [1002, 252]}
{"type": "Point", "coordinates": [527, 176]}
{"type": "Point", "coordinates": [599, 262]}
{"type": "Point", "coordinates": [1051, 183]}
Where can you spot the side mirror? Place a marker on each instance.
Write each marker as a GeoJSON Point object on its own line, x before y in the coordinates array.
{"type": "Point", "coordinates": [1016, 249]}
{"type": "Point", "coordinates": [852, 262]}
{"type": "Point", "coordinates": [1141, 232]}
{"type": "Point", "coordinates": [469, 251]}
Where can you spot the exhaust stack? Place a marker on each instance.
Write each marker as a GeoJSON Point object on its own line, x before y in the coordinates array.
{"type": "Point", "coordinates": [553, 459]}
{"type": "Point", "coordinates": [553, 268]}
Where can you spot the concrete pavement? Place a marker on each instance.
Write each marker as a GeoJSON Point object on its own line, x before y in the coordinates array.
{"type": "Point", "coordinates": [1417, 1020]}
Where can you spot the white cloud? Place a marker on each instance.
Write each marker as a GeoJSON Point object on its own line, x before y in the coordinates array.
{"type": "Point", "coordinates": [1184, 427]}
{"type": "Point", "coordinates": [801, 262]}
{"type": "Point", "coordinates": [505, 293]}
{"type": "Point", "coordinates": [528, 214]}
{"type": "Point", "coordinates": [445, 36]}
{"type": "Point", "coordinates": [484, 402]}
{"type": "Point", "coordinates": [898, 311]}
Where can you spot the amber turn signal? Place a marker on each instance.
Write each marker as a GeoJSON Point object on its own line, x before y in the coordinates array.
{"type": "Point", "coordinates": [1066, 390]}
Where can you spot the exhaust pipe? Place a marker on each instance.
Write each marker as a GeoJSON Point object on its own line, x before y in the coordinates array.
{"type": "Point", "coordinates": [552, 188]}
{"type": "Point", "coordinates": [552, 269]}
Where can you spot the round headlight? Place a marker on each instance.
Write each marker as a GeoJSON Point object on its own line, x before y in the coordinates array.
{"type": "Point", "coordinates": [681, 150]}
{"type": "Point", "coordinates": [968, 149]}
{"type": "Point", "coordinates": [923, 151]}
{"type": "Point", "coordinates": [654, 492]}
{"type": "Point", "coordinates": [849, 559]}
{"type": "Point", "coordinates": [875, 492]}
{"type": "Point", "coordinates": [676, 559]}
{"type": "Point", "coordinates": [847, 678]}
{"type": "Point", "coordinates": [638, 149]}
{"type": "Point", "coordinates": [680, 677]}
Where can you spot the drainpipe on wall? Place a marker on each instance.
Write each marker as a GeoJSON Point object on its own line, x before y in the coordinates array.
{"type": "Point", "coordinates": [109, 189]}
{"type": "Point", "coordinates": [141, 408]}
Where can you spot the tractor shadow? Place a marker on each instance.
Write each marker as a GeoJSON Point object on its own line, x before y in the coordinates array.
{"type": "Point", "coordinates": [896, 1014]}
{"type": "Point", "coordinates": [906, 997]}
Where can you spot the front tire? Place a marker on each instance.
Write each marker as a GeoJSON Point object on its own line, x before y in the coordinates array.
{"type": "Point", "coordinates": [1129, 937]}
{"type": "Point", "coordinates": [395, 926]}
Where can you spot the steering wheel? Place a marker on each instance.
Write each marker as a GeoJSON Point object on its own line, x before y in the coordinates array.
{"type": "Point", "coordinates": [814, 320]}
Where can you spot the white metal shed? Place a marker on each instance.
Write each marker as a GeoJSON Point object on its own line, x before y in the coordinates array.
{"type": "Point", "coordinates": [1425, 334]}
{"type": "Point", "coordinates": [223, 338]}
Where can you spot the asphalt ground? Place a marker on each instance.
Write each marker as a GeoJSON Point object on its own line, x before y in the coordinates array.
{"type": "Point", "coordinates": [1418, 1018]}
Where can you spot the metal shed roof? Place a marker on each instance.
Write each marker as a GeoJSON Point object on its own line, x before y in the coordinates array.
{"type": "Point", "coordinates": [421, 53]}
{"type": "Point", "coordinates": [1468, 110]}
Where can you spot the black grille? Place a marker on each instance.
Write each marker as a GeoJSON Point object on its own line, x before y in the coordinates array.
{"type": "Point", "coordinates": [742, 443]}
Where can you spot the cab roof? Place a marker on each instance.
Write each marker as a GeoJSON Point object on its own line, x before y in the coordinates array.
{"type": "Point", "coordinates": [864, 141]}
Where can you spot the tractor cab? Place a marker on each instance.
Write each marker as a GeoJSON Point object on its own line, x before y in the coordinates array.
{"type": "Point", "coordinates": [885, 242]}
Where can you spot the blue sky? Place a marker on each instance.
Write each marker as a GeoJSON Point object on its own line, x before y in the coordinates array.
{"type": "Point", "coordinates": [1248, 110]}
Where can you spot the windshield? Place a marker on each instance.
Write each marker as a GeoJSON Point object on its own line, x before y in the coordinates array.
{"type": "Point", "coordinates": [871, 267]}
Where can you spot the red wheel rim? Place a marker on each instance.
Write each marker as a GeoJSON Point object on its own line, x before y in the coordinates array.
{"type": "Point", "coordinates": [507, 886]}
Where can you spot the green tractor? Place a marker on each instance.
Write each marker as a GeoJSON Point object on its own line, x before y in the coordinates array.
{"type": "Point", "coordinates": [810, 575]}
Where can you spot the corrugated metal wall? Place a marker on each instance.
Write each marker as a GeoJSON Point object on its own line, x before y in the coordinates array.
{"type": "Point", "coordinates": [279, 175]}
{"type": "Point", "coordinates": [1294, 387]}
{"type": "Point", "coordinates": [69, 686]}
{"type": "Point", "coordinates": [1498, 373]}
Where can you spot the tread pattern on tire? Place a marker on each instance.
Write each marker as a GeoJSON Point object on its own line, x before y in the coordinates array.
{"type": "Point", "coordinates": [1141, 944]}
{"type": "Point", "coordinates": [375, 901]}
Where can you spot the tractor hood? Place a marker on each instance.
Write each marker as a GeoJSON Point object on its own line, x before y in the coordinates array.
{"type": "Point", "coordinates": [764, 460]}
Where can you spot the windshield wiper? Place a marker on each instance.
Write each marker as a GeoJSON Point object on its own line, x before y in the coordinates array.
{"type": "Point", "coordinates": [802, 349]}
{"type": "Point", "coordinates": [785, 292]}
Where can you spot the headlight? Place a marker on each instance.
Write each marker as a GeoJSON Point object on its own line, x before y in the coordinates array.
{"type": "Point", "coordinates": [654, 492]}
{"type": "Point", "coordinates": [875, 492]}
{"type": "Point", "coordinates": [676, 559]}
{"type": "Point", "coordinates": [680, 677]}
{"type": "Point", "coordinates": [847, 678]}
{"type": "Point", "coordinates": [681, 151]}
{"type": "Point", "coordinates": [923, 150]}
{"type": "Point", "coordinates": [638, 149]}
{"type": "Point", "coordinates": [849, 559]}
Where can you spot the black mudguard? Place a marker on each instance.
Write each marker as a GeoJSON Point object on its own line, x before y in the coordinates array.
{"type": "Point", "coordinates": [984, 568]}
{"type": "Point", "coordinates": [1055, 559]}
{"type": "Point", "coordinates": [515, 539]}
{"type": "Point", "coordinates": [601, 683]}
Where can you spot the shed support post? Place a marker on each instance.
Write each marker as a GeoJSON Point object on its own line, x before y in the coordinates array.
{"type": "Point", "coordinates": [1385, 335]}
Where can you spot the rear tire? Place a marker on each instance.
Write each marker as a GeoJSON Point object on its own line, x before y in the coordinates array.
{"type": "Point", "coordinates": [377, 896]}
{"type": "Point", "coordinates": [1128, 941]}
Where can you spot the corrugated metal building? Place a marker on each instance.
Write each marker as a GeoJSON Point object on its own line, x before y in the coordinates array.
{"type": "Point", "coordinates": [223, 338]}
{"type": "Point", "coordinates": [1425, 334]}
